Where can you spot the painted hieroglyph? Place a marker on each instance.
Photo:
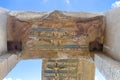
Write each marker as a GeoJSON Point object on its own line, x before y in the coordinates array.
{"type": "Point", "coordinates": [68, 69]}
{"type": "Point", "coordinates": [56, 34]}
{"type": "Point", "coordinates": [65, 42]}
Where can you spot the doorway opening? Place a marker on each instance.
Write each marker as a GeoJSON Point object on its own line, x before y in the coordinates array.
{"type": "Point", "coordinates": [26, 70]}
{"type": "Point", "coordinates": [32, 70]}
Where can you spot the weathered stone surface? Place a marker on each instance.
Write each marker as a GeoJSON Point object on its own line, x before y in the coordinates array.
{"type": "Point", "coordinates": [12, 61]}
{"type": "Point", "coordinates": [7, 63]}
{"type": "Point", "coordinates": [50, 35]}
{"type": "Point", "coordinates": [112, 33]}
{"type": "Point", "coordinates": [3, 68]}
{"type": "Point", "coordinates": [70, 69]}
{"type": "Point", "coordinates": [109, 67]}
{"type": "Point", "coordinates": [88, 26]}
{"type": "Point", "coordinates": [3, 31]}
{"type": "Point", "coordinates": [28, 15]}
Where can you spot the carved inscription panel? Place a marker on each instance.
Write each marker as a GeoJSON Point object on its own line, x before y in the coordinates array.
{"type": "Point", "coordinates": [48, 35]}
{"type": "Point", "coordinates": [55, 38]}
{"type": "Point", "coordinates": [68, 69]}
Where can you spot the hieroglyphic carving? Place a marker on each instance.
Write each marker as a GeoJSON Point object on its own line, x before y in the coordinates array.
{"type": "Point", "coordinates": [55, 38]}
{"type": "Point", "coordinates": [68, 69]}
{"type": "Point", "coordinates": [58, 33]}
{"type": "Point", "coordinates": [61, 69]}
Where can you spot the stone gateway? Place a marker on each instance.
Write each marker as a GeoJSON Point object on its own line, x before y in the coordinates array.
{"type": "Point", "coordinates": [69, 43]}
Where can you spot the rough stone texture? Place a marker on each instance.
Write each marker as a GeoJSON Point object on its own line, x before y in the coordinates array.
{"type": "Point", "coordinates": [19, 24]}
{"type": "Point", "coordinates": [64, 29]}
{"type": "Point", "coordinates": [12, 61]}
{"type": "Point", "coordinates": [3, 31]}
{"type": "Point", "coordinates": [112, 33]}
{"type": "Point", "coordinates": [109, 67]}
{"type": "Point", "coordinates": [68, 69]}
{"type": "Point", "coordinates": [3, 68]}
{"type": "Point", "coordinates": [27, 15]}
{"type": "Point", "coordinates": [7, 63]}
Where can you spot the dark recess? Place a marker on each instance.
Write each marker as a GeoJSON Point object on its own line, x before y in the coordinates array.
{"type": "Point", "coordinates": [14, 46]}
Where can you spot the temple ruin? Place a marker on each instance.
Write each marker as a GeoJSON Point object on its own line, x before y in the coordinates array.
{"type": "Point", "coordinates": [71, 44]}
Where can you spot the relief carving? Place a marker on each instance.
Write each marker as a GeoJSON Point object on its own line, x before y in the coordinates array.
{"type": "Point", "coordinates": [56, 33]}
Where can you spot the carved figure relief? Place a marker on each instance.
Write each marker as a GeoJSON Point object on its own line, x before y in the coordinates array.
{"type": "Point", "coordinates": [67, 69]}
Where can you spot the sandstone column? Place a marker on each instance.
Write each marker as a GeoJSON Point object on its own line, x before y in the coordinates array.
{"type": "Point", "coordinates": [3, 32]}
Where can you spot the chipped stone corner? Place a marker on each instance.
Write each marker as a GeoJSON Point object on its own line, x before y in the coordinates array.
{"type": "Point", "coordinates": [7, 63]}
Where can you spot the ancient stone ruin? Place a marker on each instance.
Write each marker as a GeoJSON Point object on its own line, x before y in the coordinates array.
{"type": "Point", "coordinates": [68, 42]}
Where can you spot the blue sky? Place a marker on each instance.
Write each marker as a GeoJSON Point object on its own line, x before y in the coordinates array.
{"type": "Point", "coordinates": [26, 70]}
{"type": "Point", "coordinates": [31, 69]}
{"type": "Point", "coordinates": [65, 5]}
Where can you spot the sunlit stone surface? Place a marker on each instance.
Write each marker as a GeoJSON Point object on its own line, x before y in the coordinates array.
{"type": "Point", "coordinates": [108, 67]}
{"type": "Point", "coordinates": [58, 36]}
{"type": "Point", "coordinates": [68, 69]}
{"type": "Point", "coordinates": [3, 31]}
{"type": "Point", "coordinates": [63, 36]}
{"type": "Point", "coordinates": [50, 35]}
{"type": "Point", "coordinates": [7, 62]}
{"type": "Point", "coordinates": [112, 33]}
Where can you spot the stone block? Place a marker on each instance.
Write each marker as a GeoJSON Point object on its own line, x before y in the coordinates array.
{"type": "Point", "coordinates": [3, 31]}
{"type": "Point", "coordinates": [68, 69]}
{"type": "Point", "coordinates": [12, 61]}
{"type": "Point", "coordinates": [7, 63]}
{"type": "Point", "coordinates": [109, 67]}
{"type": "Point", "coordinates": [112, 36]}
{"type": "Point", "coordinates": [3, 68]}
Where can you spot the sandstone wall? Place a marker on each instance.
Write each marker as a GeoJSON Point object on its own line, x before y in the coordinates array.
{"type": "Point", "coordinates": [68, 69]}
{"type": "Point", "coordinates": [41, 33]}
{"type": "Point", "coordinates": [112, 33]}
{"type": "Point", "coordinates": [3, 37]}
